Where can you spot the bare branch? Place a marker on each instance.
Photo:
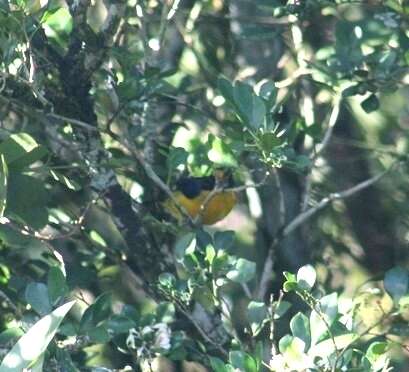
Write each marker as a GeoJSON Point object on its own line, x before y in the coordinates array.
{"type": "Point", "coordinates": [333, 117]}
{"type": "Point", "coordinates": [305, 216]}
{"type": "Point", "coordinates": [266, 276]}
{"type": "Point", "coordinates": [282, 211]}
{"type": "Point", "coordinates": [72, 121]}
{"type": "Point", "coordinates": [198, 327]}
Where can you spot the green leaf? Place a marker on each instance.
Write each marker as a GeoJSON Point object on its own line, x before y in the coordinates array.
{"type": "Point", "coordinates": [284, 343]}
{"type": "Point", "coordinates": [28, 200]}
{"type": "Point", "coordinates": [226, 89]}
{"type": "Point", "coordinates": [250, 108]}
{"type": "Point", "coordinates": [351, 91]}
{"type": "Point", "coordinates": [257, 314]}
{"type": "Point", "coordinates": [306, 277]}
{"type": "Point", "coordinates": [10, 334]}
{"type": "Point", "coordinates": [220, 262]}
{"type": "Point", "coordinates": [217, 365]}
{"type": "Point", "coordinates": [36, 295]}
{"type": "Point", "coordinates": [290, 276]}
{"type": "Point", "coordinates": [347, 45]}
{"type": "Point", "coordinates": [97, 312]}
{"type": "Point", "coordinates": [99, 335]}
{"type": "Point", "coordinates": [38, 365]}
{"type": "Point", "coordinates": [289, 286]}
{"type": "Point", "coordinates": [327, 309]}
{"type": "Point", "coordinates": [221, 154]}
{"type": "Point", "coordinates": [203, 238]}
{"type": "Point", "coordinates": [268, 92]}
{"type": "Point", "coordinates": [291, 283]}
{"type": "Point", "coordinates": [33, 344]}
{"type": "Point", "coordinates": [242, 361]}
{"type": "Point", "coordinates": [223, 239]}
{"type": "Point", "coordinates": [210, 254]}
{"type": "Point", "coordinates": [21, 150]}
{"type": "Point", "coordinates": [377, 355]}
{"type": "Point", "coordinates": [57, 286]}
{"type": "Point", "coordinates": [300, 327]}
{"type": "Point", "coordinates": [165, 312]}
{"type": "Point", "coordinates": [244, 270]}
{"type": "Point", "coordinates": [57, 25]}
{"type": "Point", "coordinates": [370, 104]}
{"type": "Point", "coordinates": [292, 349]}
{"type": "Point", "coordinates": [67, 182]}
{"type": "Point", "coordinates": [187, 243]}
{"type": "Point", "coordinates": [167, 280]}
{"type": "Point", "coordinates": [64, 359]}
{"type": "Point", "coordinates": [325, 348]}
{"type": "Point", "coordinates": [34, 6]}
{"type": "Point", "coordinates": [120, 324]}
{"type": "Point", "coordinates": [269, 141]}
{"type": "Point", "coordinates": [280, 309]}
{"type": "Point", "coordinates": [396, 283]}
{"type": "Point", "coordinates": [102, 307]}
{"type": "Point", "coordinates": [3, 184]}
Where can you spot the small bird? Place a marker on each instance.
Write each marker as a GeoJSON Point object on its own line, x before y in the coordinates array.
{"type": "Point", "coordinates": [192, 193]}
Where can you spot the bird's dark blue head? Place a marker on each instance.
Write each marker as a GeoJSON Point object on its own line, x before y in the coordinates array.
{"type": "Point", "coordinates": [193, 186]}
{"type": "Point", "coordinates": [189, 186]}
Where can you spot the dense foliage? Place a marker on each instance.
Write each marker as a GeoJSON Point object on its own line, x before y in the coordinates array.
{"type": "Point", "coordinates": [105, 104]}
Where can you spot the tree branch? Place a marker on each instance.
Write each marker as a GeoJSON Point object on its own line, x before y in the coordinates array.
{"type": "Point", "coordinates": [306, 215]}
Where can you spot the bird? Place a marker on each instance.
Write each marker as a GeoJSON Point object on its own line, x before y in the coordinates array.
{"type": "Point", "coordinates": [192, 193]}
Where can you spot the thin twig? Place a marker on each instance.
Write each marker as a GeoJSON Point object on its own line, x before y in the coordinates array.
{"type": "Point", "coordinates": [201, 331]}
{"type": "Point", "coordinates": [266, 276]}
{"type": "Point", "coordinates": [281, 201]}
{"type": "Point", "coordinates": [306, 215]}
{"type": "Point", "coordinates": [333, 117]}
{"type": "Point", "coordinates": [72, 121]}
{"type": "Point", "coordinates": [37, 94]}
{"type": "Point", "coordinates": [303, 217]}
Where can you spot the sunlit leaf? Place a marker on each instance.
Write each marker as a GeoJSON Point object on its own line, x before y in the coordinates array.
{"type": "Point", "coordinates": [257, 315]}
{"type": "Point", "coordinates": [306, 277]}
{"type": "Point", "coordinates": [243, 271]}
{"type": "Point", "coordinates": [56, 283]}
{"type": "Point", "coordinates": [21, 150]}
{"type": "Point", "coordinates": [370, 104]}
{"type": "Point", "coordinates": [300, 327]}
{"type": "Point", "coordinates": [36, 295]}
{"type": "Point", "coordinates": [323, 316]}
{"type": "Point", "coordinates": [33, 344]}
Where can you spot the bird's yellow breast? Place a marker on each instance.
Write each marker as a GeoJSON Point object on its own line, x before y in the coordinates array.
{"type": "Point", "coordinates": [218, 207]}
